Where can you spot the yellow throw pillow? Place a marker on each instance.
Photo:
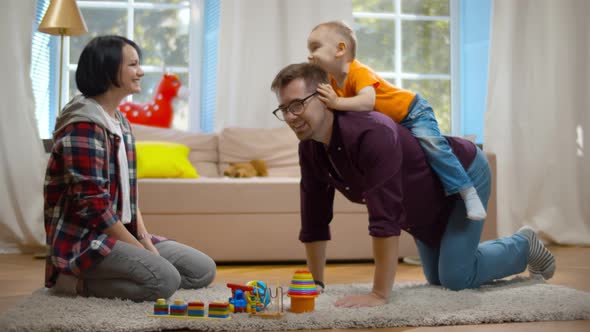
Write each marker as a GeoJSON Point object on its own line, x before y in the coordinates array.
{"type": "Point", "coordinates": [163, 160]}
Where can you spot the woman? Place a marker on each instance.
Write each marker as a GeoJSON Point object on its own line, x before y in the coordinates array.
{"type": "Point", "coordinates": [99, 245]}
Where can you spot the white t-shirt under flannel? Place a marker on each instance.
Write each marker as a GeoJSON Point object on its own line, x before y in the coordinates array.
{"type": "Point", "coordinates": [115, 127]}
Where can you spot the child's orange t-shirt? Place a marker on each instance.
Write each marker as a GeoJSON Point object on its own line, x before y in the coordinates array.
{"type": "Point", "coordinates": [390, 100]}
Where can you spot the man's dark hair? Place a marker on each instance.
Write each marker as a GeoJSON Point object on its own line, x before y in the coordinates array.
{"type": "Point", "coordinates": [99, 63]}
{"type": "Point", "coordinates": [311, 74]}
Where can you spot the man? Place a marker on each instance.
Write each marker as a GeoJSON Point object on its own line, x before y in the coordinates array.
{"type": "Point", "coordinates": [373, 161]}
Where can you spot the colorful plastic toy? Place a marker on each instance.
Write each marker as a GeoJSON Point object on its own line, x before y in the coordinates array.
{"type": "Point", "coordinates": [278, 302]}
{"type": "Point", "coordinates": [161, 307]}
{"type": "Point", "coordinates": [196, 309]}
{"type": "Point", "coordinates": [239, 301]}
{"type": "Point", "coordinates": [219, 310]}
{"type": "Point", "coordinates": [192, 310]}
{"type": "Point", "coordinates": [260, 291]}
{"type": "Point", "coordinates": [179, 308]}
{"type": "Point", "coordinates": [244, 299]}
{"type": "Point", "coordinates": [158, 112]}
{"type": "Point", "coordinates": [302, 292]}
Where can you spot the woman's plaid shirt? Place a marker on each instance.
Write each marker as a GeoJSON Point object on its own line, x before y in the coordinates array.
{"type": "Point", "coordinates": [82, 196]}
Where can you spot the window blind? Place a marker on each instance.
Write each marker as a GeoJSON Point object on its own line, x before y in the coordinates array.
{"type": "Point", "coordinates": [209, 69]}
{"type": "Point", "coordinates": [43, 74]}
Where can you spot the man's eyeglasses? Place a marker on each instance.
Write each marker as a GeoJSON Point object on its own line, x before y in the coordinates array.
{"type": "Point", "coordinates": [295, 107]}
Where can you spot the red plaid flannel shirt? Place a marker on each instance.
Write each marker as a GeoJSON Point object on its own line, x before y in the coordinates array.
{"type": "Point", "coordinates": [82, 196]}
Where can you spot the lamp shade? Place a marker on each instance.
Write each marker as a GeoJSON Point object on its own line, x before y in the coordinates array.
{"type": "Point", "coordinates": [63, 18]}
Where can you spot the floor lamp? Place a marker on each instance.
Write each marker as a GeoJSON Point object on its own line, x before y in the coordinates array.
{"type": "Point", "coordinates": [63, 18]}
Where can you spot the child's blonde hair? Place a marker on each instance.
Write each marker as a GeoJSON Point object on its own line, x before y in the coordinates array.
{"type": "Point", "coordinates": [343, 30]}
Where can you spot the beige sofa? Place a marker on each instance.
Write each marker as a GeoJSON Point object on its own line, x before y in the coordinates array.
{"type": "Point", "coordinates": [255, 219]}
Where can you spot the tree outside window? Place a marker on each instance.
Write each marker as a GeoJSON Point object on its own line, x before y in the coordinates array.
{"type": "Point", "coordinates": [408, 42]}
{"type": "Point", "coordinates": [159, 27]}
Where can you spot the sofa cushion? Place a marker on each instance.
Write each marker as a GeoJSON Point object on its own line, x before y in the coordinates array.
{"type": "Point", "coordinates": [203, 155]}
{"type": "Point", "coordinates": [163, 160]}
{"type": "Point", "coordinates": [277, 146]}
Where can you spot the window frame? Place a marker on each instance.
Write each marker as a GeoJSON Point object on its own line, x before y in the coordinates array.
{"type": "Point", "coordinates": [398, 75]}
{"type": "Point", "coordinates": [193, 68]}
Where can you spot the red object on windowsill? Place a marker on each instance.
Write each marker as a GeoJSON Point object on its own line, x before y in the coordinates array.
{"type": "Point", "coordinates": [158, 112]}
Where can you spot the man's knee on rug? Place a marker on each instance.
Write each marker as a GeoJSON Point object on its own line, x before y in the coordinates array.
{"type": "Point", "coordinates": [432, 279]}
{"type": "Point", "coordinates": [456, 279]}
{"type": "Point", "coordinates": [431, 274]}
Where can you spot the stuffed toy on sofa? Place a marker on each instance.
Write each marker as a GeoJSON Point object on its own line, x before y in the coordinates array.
{"type": "Point", "coordinates": [247, 170]}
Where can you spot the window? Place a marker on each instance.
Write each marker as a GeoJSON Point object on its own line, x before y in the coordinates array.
{"type": "Point", "coordinates": [408, 42]}
{"type": "Point", "coordinates": [412, 43]}
{"type": "Point", "coordinates": [170, 34]}
{"type": "Point", "coordinates": [43, 79]}
{"type": "Point", "coordinates": [159, 27]}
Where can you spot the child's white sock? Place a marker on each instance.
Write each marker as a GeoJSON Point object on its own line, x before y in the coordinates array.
{"type": "Point", "coordinates": [540, 260]}
{"type": "Point", "coordinates": [475, 209]}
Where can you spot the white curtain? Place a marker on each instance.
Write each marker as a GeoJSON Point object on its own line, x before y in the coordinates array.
{"type": "Point", "coordinates": [258, 38]}
{"type": "Point", "coordinates": [22, 162]}
{"type": "Point", "coordinates": [538, 116]}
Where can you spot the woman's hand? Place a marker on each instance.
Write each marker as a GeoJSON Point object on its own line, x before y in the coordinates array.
{"type": "Point", "coordinates": [362, 300]}
{"type": "Point", "coordinates": [143, 236]}
{"type": "Point", "coordinates": [146, 242]}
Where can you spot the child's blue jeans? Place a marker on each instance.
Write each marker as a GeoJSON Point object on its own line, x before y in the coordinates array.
{"type": "Point", "coordinates": [460, 261]}
{"type": "Point", "coordinates": [422, 123]}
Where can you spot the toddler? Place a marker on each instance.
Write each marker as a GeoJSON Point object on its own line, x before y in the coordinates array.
{"type": "Point", "coordinates": [356, 87]}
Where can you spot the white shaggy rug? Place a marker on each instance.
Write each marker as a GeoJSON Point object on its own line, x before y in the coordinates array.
{"type": "Point", "coordinates": [412, 304]}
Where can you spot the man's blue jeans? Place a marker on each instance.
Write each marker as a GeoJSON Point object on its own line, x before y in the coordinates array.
{"type": "Point", "coordinates": [461, 261]}
{"type": "Point", "coordinates": [422, 123]}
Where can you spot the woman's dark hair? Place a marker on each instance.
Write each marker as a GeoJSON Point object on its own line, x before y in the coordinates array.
{"type": "Point", "coordinates": [99, 63]}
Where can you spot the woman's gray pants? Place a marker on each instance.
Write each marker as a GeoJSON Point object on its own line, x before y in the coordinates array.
{"type": "Point", "coordinates": [129, 272]}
